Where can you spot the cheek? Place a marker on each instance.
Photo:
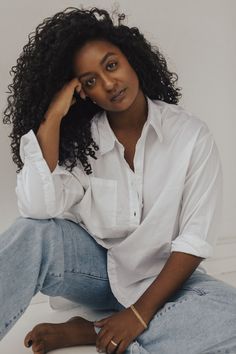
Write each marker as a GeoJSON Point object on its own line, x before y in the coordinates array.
{"type": "Point", "coordinates": [91, 92]}
{"type": "Point", "coordinates": [133, 77]}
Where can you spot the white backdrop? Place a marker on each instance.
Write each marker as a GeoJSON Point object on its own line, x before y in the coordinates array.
{"type": "Point", "coordinates": [198, 40]}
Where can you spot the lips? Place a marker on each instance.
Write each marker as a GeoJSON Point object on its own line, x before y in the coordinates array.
{"type": "Point", "coordinates": [117, 95]}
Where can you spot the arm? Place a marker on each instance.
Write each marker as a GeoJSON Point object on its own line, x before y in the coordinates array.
{"type": "Point", "coordinates": [198, 225]}
{"type": "Point", "coordinates": [176, 271]}
{"type": "Point", "coordinates": [44, 189]}
{"type": "Point", "coordinates": [43, 194]}
{"type": "Point", "coordinates": [48, 136]}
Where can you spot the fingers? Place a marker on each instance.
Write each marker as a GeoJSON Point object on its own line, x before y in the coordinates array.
{"type": "Point", "coordinates": [111, 348]}
{"type": "Point", "coordinates": [77, 85]}
{"type": "Point", "coordinates": [103, 342]}
{"type": "Point", "coordinates": [73, 85]}
{"type": "Point", "coordinates": [73, 101]}
{"type": "Point", "coordinates": [38, 347]}
{"type": "Point", "coordinates": [80, 91]}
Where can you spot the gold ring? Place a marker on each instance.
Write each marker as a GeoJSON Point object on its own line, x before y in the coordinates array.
{"type": "Point", "coordinates": [114, 343]}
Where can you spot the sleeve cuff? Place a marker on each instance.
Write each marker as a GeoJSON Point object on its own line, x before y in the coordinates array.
{"type": "Point", "coordinates": [192, 244]}
{"type": "Point", "coordinates": [29, 147]}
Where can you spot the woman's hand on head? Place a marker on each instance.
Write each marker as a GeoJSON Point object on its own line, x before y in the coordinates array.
{"type": "Point", "coordinates": [63, 99]}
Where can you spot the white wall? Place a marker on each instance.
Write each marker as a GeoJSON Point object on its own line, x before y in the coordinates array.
{"type": "Point", "coordinates": [198, 40]}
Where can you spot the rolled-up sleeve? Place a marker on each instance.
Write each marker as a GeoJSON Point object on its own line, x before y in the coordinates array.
{"type": "Point", "coordinates": [41, 193]}
{"type": "Point", "coordinates": [201, 209]}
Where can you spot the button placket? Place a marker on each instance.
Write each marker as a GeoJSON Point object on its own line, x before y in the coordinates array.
{"type": "Point", "coordinates": [136, 202]}
{"type": "Point", "coordinates": [139, 186]}
{"type": "Point", "coordinates": [131, 196]}
{"type": "Point", "coordinates": [136, 207]}
{"type": "Point", "coordinates": [135, 180]}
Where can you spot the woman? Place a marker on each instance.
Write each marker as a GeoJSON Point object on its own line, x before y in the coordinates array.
{"type": "Point", "coordinates": [119, 191]}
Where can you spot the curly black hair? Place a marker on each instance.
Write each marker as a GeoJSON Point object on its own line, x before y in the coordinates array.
{"type": "Point", "coordinates": [45, 65]}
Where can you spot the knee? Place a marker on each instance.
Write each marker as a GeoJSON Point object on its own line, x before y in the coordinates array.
{"type": "Point", "coordinates": [31, 229]}
{"type": "Point", "coordinates": [23, 223]}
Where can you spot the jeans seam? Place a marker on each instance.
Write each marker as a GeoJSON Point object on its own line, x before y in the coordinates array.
{"type": "Point", "coordinates": [69, 228]}
{"type": "Point", "coordinates": [55, 275]}
{"type": "Point", "coordinates": [77, 272]}
{"type": "Point", "coordinates": [169, 307]}
{"type": "Point", "coordinates": [86, 274]}
{"type": "Point", "coordinates": [198, 291]}
{"type": "Point", "coordinates": [13, 319]}
{"type": "Point", "coordinates": [223, 351]}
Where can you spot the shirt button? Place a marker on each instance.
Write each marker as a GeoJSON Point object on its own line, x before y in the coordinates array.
{"type": "Point", "coordinates": [135, 213]}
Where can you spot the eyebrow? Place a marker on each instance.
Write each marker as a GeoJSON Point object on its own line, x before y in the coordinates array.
{"type": "Point", "coordinates": [101, 62]}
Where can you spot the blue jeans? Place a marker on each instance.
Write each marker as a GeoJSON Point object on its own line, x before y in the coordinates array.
{"type": "Point", "coordinates": [59, 258]}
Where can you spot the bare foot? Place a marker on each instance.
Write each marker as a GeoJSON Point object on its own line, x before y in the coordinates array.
{"type": "Point", "coordinates": [49, 336]}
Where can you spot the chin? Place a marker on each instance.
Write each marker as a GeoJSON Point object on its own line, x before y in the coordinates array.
{"type": "Point", "coordinates": [126, 104]}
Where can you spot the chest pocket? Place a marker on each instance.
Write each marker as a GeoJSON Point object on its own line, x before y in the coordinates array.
{"type": "Point", "coordinates": [98, 207]}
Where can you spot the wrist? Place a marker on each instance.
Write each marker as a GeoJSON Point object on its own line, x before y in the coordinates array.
{"type": "Point", "coordinates": [145, 312]}
{"type": "Point", "coordinates": [139, 319]}
{"type": "Point", "coordinates": [53, 116]}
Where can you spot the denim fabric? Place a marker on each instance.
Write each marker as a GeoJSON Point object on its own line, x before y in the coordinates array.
{"type": "Point", "coordinates": [59, 258]}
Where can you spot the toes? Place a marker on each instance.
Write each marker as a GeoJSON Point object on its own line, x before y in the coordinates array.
{"type": "Point", "coordinates": [28, 340]}
{"type": "Point", "coordinates": [38, 347]}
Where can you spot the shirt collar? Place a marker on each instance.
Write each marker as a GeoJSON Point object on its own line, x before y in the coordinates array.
{"type": "Point", "coordinates": [107, 137]}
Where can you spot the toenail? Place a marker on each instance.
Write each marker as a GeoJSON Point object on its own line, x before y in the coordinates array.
{"type": "Point", "coordinates": [30, 342]}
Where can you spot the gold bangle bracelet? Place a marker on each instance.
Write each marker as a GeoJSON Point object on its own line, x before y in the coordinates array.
{"type": "Point", "coordinates": [138, 316]}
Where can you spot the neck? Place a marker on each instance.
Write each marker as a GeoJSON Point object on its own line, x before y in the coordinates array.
{"type": "Point", "coordinates": [133, 118]}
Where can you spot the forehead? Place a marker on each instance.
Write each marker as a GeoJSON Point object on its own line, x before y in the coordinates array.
{"type": "Point", "coordinates": [91, 54]}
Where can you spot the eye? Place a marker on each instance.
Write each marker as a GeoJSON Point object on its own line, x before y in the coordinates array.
{"type": "Point", "coordinates": [90, 82]}
{"type": "Point", "coordinates": [112, 65]}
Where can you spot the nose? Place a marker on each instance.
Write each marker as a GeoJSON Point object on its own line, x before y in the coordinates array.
{"type": "Point", "coordinates": [108, 82]}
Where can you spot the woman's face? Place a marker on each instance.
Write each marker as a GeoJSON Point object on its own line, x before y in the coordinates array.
{"type": "Point", "coordinates": [104, 71]}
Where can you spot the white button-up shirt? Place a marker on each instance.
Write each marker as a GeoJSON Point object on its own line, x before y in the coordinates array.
{"type": "Point", "coordinates": [170, 202]}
